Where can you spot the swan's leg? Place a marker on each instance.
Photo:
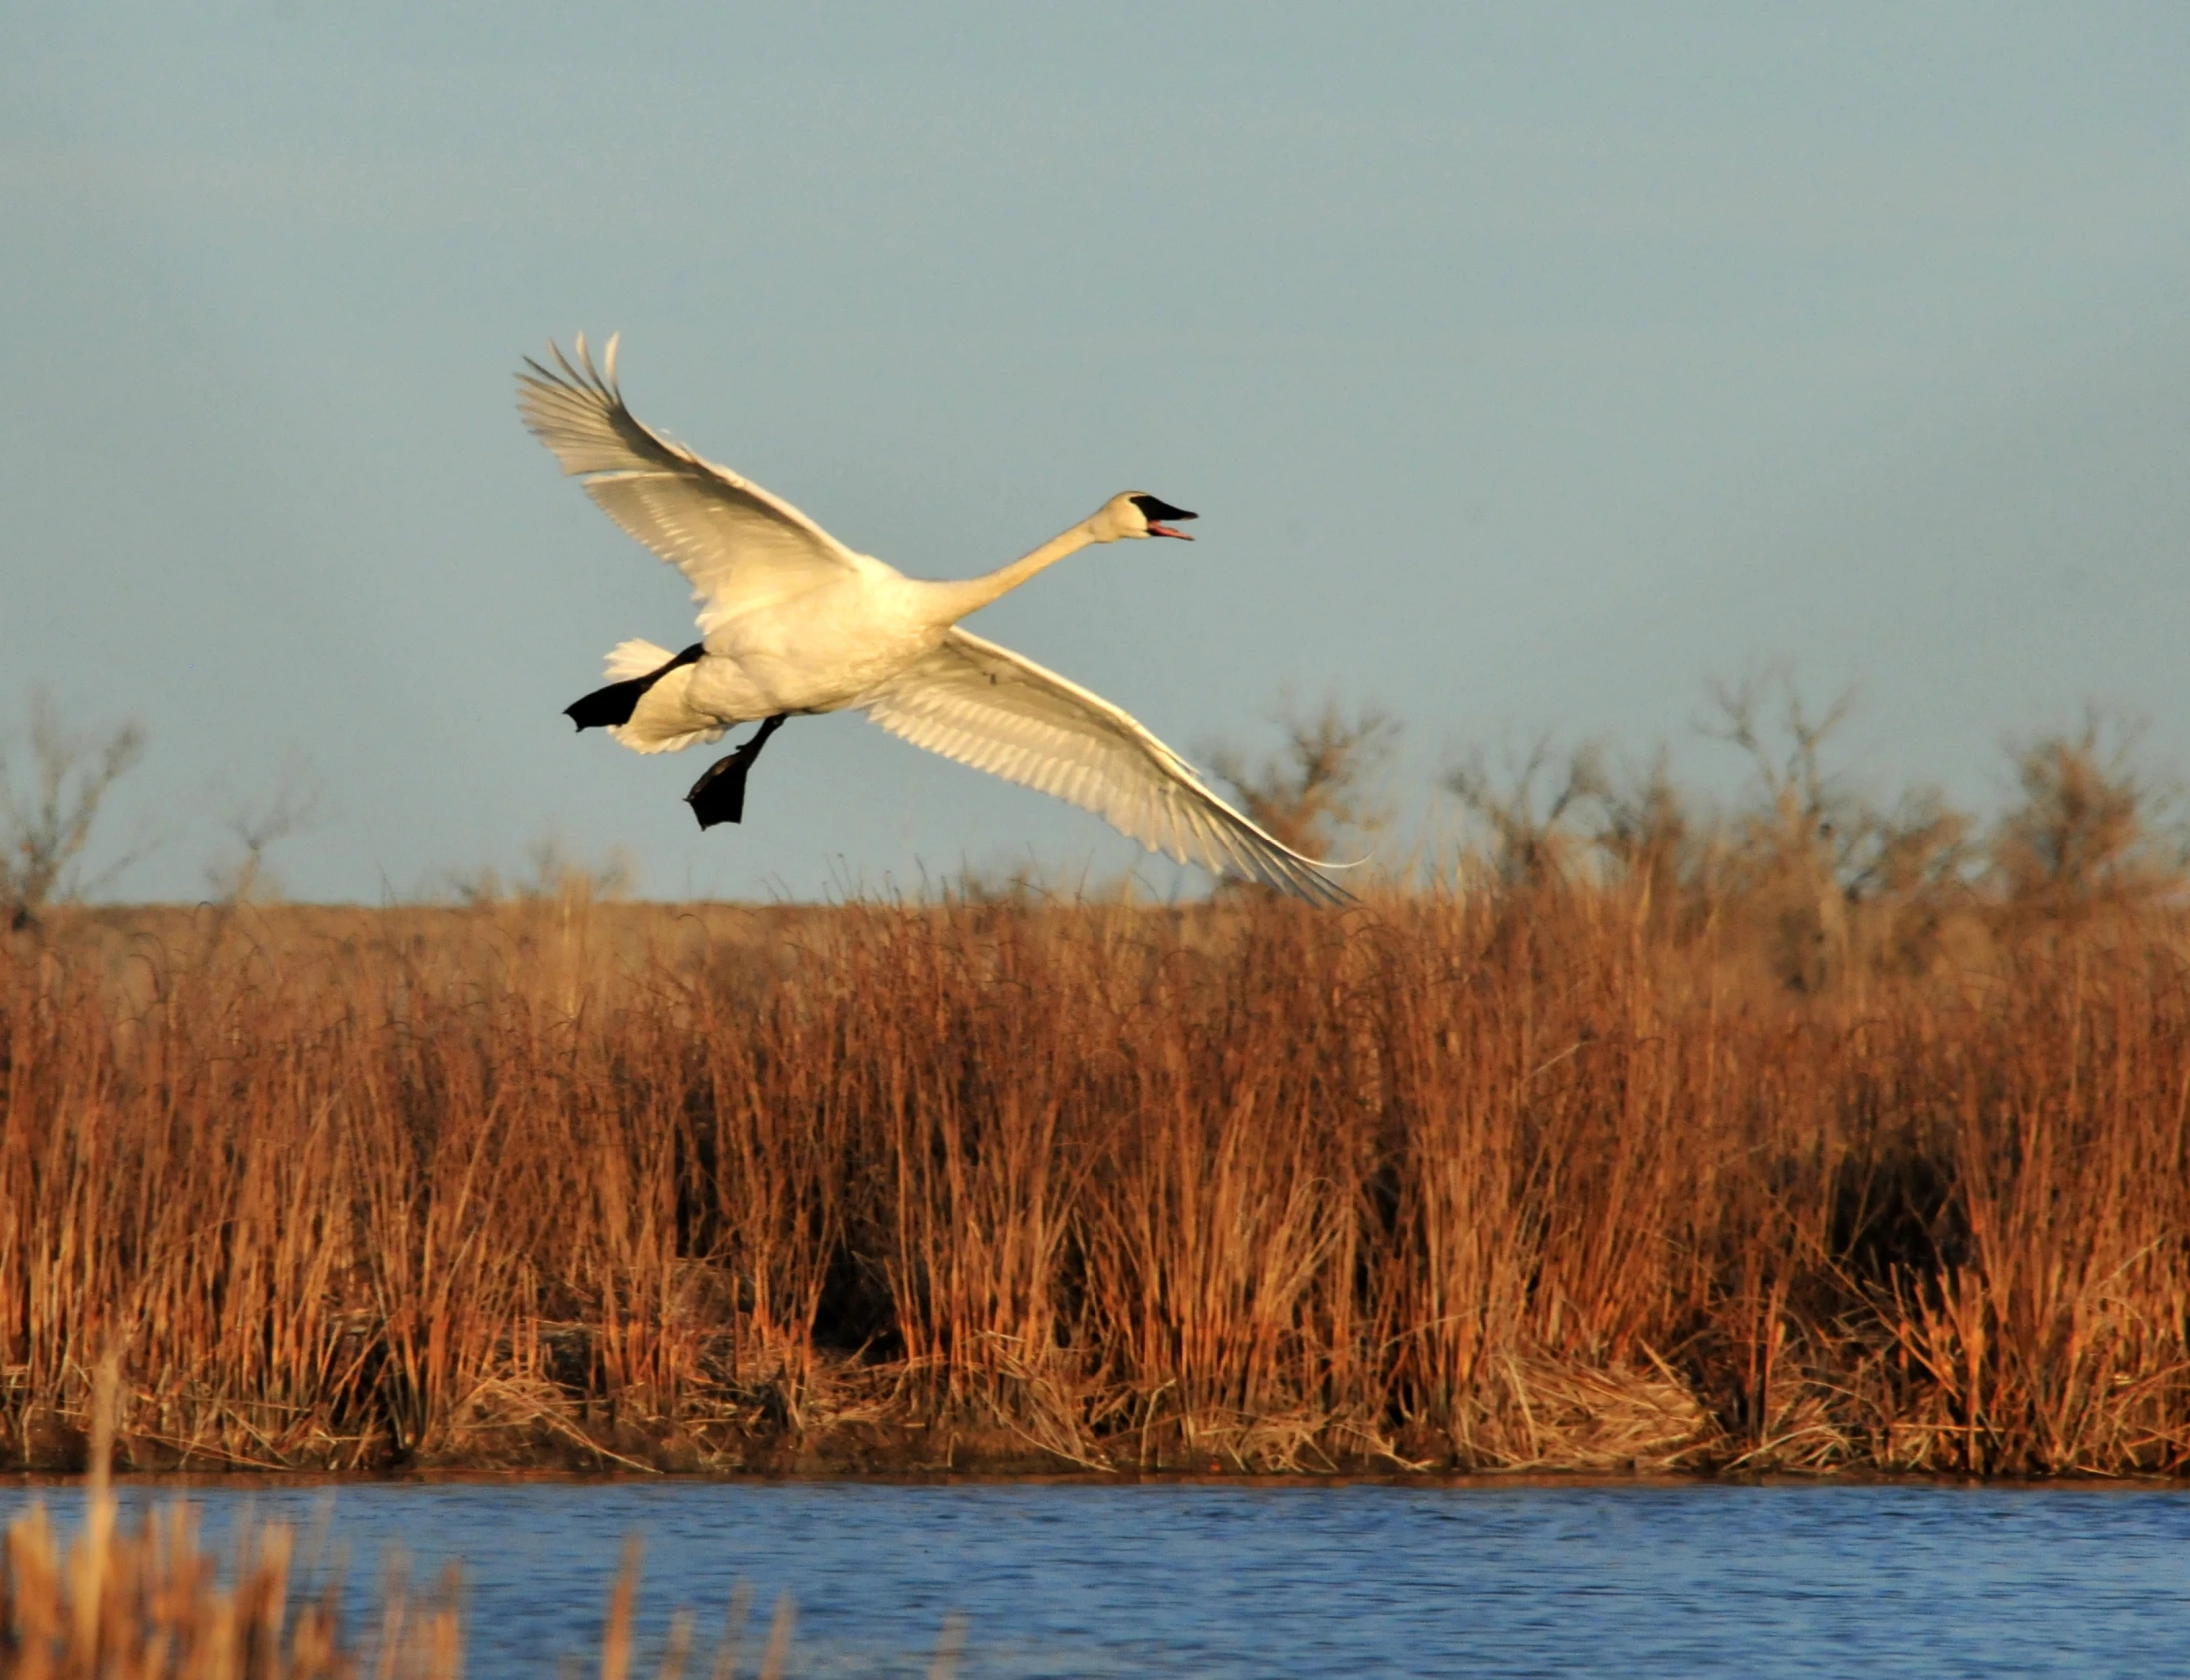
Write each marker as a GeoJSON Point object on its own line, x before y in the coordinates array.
{"type": "Point", "coordinates": [615, 702]}
{"type": "Point", "coordinates": [719, 793]}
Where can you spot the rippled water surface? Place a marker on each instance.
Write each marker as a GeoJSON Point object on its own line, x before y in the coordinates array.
{"type": "Point", "coordinates": [1250, 1581]}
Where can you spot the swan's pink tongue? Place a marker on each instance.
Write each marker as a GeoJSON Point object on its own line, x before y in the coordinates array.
{"type": "Point", "coordinates": [1167, 531]}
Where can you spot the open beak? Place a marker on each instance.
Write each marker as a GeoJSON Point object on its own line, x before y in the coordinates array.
{"type": "Point", "coordinates": [1156, 510]}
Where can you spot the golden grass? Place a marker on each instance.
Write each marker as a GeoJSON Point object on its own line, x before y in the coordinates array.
{"type": "Point", "coordinates": [1541, 1176]}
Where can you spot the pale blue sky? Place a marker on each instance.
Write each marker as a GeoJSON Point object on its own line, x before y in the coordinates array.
{"type": "Point", "coordinates": [1529, 365]}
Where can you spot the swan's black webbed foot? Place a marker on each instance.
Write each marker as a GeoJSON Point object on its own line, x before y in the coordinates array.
{"type": "Point", "coordinates": [719, 793]}
{"type": "Point", "coordinates": [615, 702]}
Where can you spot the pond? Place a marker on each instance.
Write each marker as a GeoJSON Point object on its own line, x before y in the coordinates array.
{"type": "Point", "coordinates": [1686, 1580]}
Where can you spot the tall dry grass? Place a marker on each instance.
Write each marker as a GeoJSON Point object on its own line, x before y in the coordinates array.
{"type": "Point", "coordinates": [1571, 1169]}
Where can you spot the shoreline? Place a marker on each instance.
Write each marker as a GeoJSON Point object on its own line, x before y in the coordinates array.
{"type": "Point", "coordinates": [867, 1454]}
{"type": "Point", "coordinates": [1481, 1482]}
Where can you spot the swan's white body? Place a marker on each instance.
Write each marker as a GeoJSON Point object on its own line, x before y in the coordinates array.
{"type": "Point", "coordinates": [792, 620]}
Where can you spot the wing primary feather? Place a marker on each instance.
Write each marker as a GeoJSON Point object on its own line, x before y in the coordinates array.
{"type": "Point", "coordinates": [561, 360]}
{"type": "Point", "coordinates": [995, 710]}
{"type": "Point", "coordinates": [741, 548]}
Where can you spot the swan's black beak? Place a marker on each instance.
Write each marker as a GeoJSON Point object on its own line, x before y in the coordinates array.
{"type": "Point", "coordinates": [1158, 509]}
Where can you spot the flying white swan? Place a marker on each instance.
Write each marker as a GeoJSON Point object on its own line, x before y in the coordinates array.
{"type": "Point", "coordinates": [792, 620]}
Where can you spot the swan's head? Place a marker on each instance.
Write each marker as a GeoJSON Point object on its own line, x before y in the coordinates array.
{"type": "Point", "coordinates": [1134, 512]}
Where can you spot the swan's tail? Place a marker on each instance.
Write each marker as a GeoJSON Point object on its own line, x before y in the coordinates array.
{"type": "Point", "coordinates": [635, 658]}
{"type": "Point", "coordinates": [644, 704]}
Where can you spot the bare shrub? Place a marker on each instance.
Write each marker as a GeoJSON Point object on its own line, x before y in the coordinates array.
{"type": "Point", "coordinates": [1653, 839]}
{"type": "Point", "coordinates": [256, 826]}
{"type": "Point", "coordinates": [1528, 845]}
{"type": "Point", "coordinates": [1910, 878]}
{"type": "Point", "coordinates": [2087, 835]}
{"type": "Point", "coordinates": [1787, 846]}
{"type": "Point", "coordinates": [45, 828]}
{"type": "Point", "coordinates": [1324, 784]}
{"type": "Point", "coordinates": [555, 875]}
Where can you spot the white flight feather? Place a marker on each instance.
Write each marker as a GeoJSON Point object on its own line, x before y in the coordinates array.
{"type": "Point", "coordinates": [998, 711]}
{"type": "Point", "coordinates": [741, 548]}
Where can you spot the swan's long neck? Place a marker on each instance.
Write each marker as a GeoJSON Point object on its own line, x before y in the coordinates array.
{"type": "Point", "coordinates": [953, 601]}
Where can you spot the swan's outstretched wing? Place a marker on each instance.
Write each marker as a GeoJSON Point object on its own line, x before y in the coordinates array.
{"type": "Point", "coordinates": [741, 546]}
{"type": "Point", "coordinates": [986, 706]}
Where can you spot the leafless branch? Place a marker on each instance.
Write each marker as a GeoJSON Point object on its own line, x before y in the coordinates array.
{"type": "Point", "coordinates": [1324, 781]}
{"type": "Point", "coordinates": [257, 826]}
{"type": "Point", "coordinates": [2091, 827]}
{"type": "Point", "coordinates": [1527, 845]}
{"type": "Point", "coordinates": [45, 829]}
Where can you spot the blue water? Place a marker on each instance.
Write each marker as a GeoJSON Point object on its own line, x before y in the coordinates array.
{"type": "Point", "coordinates": [1599, 1579]}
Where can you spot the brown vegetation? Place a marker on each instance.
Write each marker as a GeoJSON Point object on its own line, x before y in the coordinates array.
{"type": "Point", "coordinates": [1680, 1144]}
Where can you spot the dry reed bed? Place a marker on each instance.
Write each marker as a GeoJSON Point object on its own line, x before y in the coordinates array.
{"type": "Point", "coordinates": [1533, 1179]}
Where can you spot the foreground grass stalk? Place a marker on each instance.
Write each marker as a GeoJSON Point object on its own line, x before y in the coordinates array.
{"type": "Point", "coordinates": [138, 1604]}
{"type": "Point", "coordinates": [116, 1604]}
